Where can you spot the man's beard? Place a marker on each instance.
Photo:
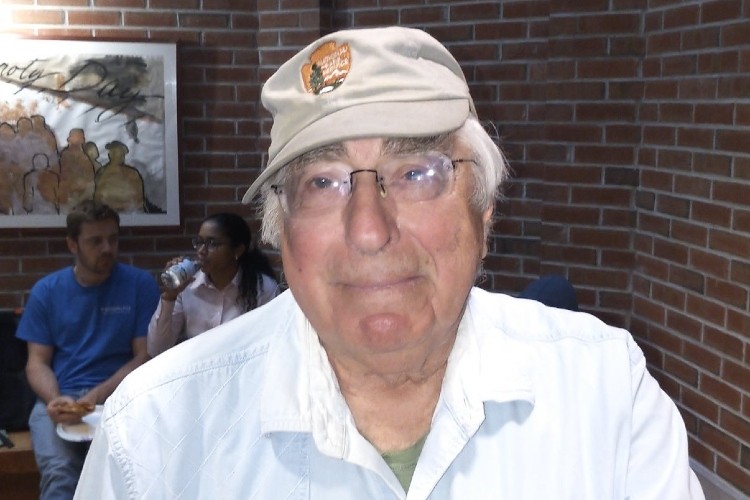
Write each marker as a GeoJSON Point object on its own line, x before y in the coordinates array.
{"type": "Point", "coordinates": [103, 264]}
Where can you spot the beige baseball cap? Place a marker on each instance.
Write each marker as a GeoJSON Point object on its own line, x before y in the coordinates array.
{"type": "Point", "coordinates": [382, 82]}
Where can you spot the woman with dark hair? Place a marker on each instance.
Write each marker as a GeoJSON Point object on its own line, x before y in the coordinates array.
{"type": "Point", "coordinates": [234, 277]}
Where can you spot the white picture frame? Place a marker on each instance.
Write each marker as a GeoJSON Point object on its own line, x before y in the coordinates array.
{"type": "Point", "coordinates": [66, 103]}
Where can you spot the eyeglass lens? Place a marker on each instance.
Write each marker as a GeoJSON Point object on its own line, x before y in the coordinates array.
{"type": "Point", "coordinates": [210, 243]}
{"type": "Point", "coordinates": [328, 184]}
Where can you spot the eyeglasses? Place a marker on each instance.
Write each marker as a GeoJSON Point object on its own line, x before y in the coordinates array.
{"type": "Point", "coordinates": [210, 243]}
{"type": "Point", "coordinates": [327, 185]}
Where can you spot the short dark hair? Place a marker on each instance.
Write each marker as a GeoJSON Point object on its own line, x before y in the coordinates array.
{"type": "Point", "coordinates": [89, 211]}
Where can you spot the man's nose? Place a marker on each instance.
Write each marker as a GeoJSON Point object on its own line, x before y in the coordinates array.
{"type": "Point", "coordinates": [370, 220]}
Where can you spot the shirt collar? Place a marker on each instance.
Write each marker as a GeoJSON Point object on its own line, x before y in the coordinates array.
{"type": "Point", "coordinates": [485, 365]}
{"type": "Point", "coordinates": [301, 393]}
{"type": "Point", "coordinates": [201, 279]}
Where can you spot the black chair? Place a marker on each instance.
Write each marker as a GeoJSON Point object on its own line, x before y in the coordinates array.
{"type": "Point", "coordinates": [16, 396]}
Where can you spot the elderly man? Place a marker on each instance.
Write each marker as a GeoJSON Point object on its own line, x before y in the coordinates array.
{"type": "Point", "coordinates": [382, 373]}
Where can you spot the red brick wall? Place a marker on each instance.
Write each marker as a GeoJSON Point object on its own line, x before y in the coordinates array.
{"type": "Point", "coordinates": [692, 245]}
{"type": "Point", "coordinates": [627, 123]}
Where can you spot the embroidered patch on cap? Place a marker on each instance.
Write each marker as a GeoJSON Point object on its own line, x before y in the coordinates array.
{"type": "Point", "coordinates": [328, 67]}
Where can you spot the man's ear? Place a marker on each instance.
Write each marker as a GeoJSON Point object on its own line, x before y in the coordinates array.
{"type": "Point", "coordinates": [72, 245]}
{"type": "Point", "coordinates": [487, 224]}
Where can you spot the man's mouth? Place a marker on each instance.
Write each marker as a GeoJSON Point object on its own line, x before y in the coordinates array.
{"type": "Point", "coordinates": [378, 283]}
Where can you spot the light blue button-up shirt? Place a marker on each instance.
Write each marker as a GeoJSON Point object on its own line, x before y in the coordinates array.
{"type": "Point", "coordinates": [537, 403]}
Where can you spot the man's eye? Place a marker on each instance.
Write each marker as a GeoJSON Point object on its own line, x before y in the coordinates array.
{"type": "Point", "coordinates": [414, 171]}
{"type": "Point", "coordinates": [416, 174]}
{"type": "Point", "coordinates": [320, 183]}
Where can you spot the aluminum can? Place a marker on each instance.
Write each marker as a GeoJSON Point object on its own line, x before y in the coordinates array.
{"type": "Point", "coordinates": [179, 273]}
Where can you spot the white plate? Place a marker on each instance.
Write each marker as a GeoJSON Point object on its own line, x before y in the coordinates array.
{"type": "Point", "coordinates": [84, 430]}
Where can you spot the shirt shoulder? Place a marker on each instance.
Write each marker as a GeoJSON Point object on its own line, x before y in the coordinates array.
{"type": "Point", "coordinates": [134, 283]}
{"type": "Point", "coordinates": [49, 297]}
{"type": "Point", "coordinates": [530, 321]}
{"type": "Point", "coordinates": [132, 273]}
{"type": "Point", "coordinates": [267, 290]}
{"type": "Point", "coordinates": [522, 345]}
{"type": "Point", "coordinates": [54, 281]}
{"type": "Point", "coordinates": [237, 346]}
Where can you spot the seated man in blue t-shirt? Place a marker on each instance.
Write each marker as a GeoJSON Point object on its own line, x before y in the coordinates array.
{"type": "Point", "coordinates": [86, 330]}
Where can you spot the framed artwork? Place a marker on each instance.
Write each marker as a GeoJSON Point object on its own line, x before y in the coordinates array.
{"type": "Point", "coordinates": [88, 119]}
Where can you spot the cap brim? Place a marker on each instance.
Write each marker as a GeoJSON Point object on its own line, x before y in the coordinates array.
{"type": "Point", "coordinates": [384, 119]}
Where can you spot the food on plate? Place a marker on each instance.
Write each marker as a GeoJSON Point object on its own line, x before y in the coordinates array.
{"type": "Point", "coordinates": [77, 408]}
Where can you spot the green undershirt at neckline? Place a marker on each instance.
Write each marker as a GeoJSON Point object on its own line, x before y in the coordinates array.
{"type": "Point", "coordinates": [404, 462]}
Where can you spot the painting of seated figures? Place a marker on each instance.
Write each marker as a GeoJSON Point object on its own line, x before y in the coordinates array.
{"type": "Point", "coordinates": [88, 120]}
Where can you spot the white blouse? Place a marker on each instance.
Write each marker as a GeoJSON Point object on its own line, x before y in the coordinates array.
{"type": "Point", "coordinates": [199, 308]}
